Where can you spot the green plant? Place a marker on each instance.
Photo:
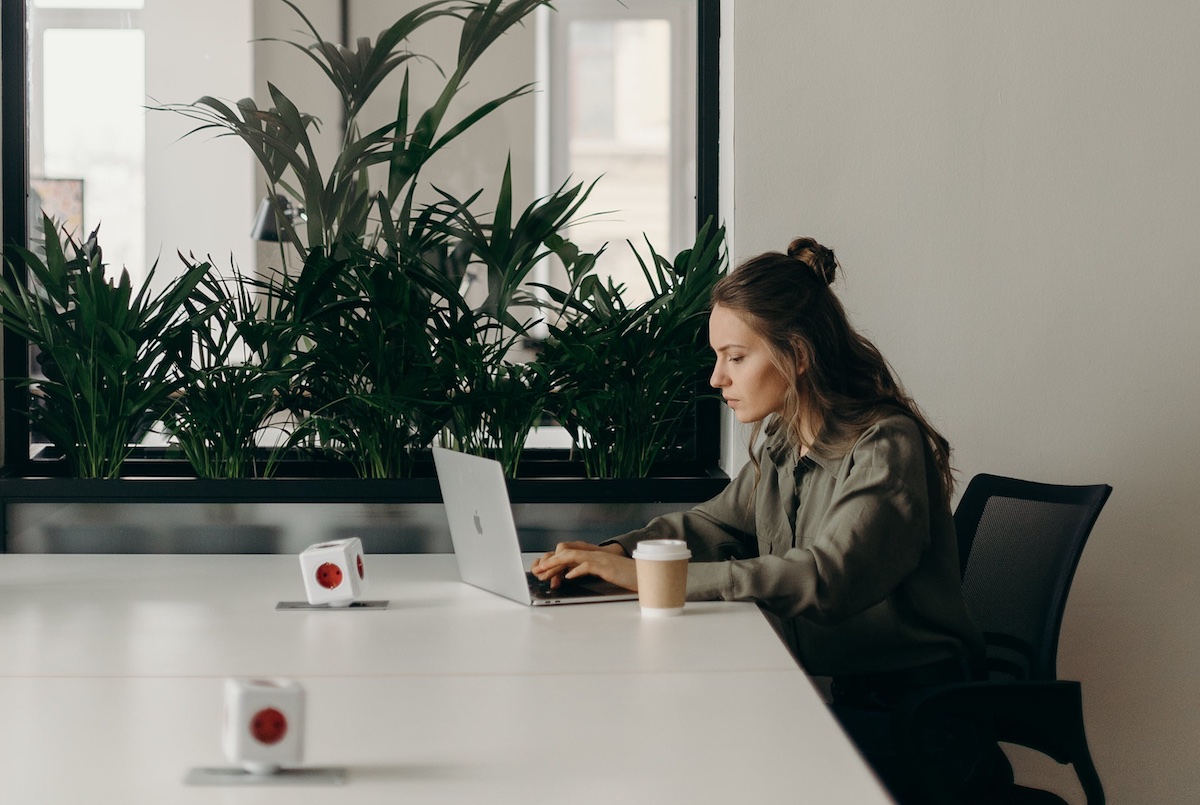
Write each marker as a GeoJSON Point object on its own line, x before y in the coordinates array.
{"type": "Point", "coordinates": [497, 399]}
{"type": "Point", "coordinates": [230, 387]}
{"type": "Point", "coordinates": [338, 202]}
{"type": "Point", "coordinates": [625, 377]}
{"type": "Point", "coordinates": [375, 387]}
{"type": "Point", "coordinates": [371, 341]}
{"type": "Point", "coordinates": [107, 354]}
{"type": "Point", "coordinates": [386, 351]}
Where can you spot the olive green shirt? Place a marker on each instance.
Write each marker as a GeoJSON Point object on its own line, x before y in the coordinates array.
{"type": "Point", "coordinates": [855, 555]}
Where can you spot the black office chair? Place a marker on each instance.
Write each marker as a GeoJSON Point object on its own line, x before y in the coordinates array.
{"type": "Point", "coordinates": [1019, 545]}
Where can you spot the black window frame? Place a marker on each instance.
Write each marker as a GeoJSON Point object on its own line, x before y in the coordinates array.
{"type": "Point", "coordinates": [14, 223]}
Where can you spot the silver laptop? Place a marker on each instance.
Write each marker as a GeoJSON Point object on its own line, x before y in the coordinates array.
{"type": "Point", "coordinates": [485, 537]}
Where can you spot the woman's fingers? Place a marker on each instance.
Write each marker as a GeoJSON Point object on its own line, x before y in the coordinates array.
{"type": "Point", "coordinates": [563, 547]}
{"type": "Point", "coordinates": [573, 559]}
{"type": "Point", "coordinates": [618, 570]}
{"type": "Point", "coordinates": [541, 565]}
{"type": "Point", "coordinates": [552, 559]}
{"type": "Point", "coordinates": [565, 555]}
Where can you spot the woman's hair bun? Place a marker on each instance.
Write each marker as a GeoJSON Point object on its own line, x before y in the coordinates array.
{"type": "Point", "coordinates": [817, 257]}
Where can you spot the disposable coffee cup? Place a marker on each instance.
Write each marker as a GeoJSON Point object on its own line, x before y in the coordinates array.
{"type": "Point", "coordinates": [662, 566]}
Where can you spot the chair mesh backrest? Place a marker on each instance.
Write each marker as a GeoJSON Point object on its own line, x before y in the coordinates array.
{"type": "Point", "coordinates": [1021, 560]}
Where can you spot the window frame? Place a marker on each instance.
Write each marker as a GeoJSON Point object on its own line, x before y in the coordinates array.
{"type": "Point", "coordinates": [14, 220]}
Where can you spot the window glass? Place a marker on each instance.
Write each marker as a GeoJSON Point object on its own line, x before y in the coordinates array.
{"type": "Point", "coordinates": [619, 129]}
{"type": "Point", "coordinates": [615, 100]}
{"type": "Point", "coordinates": [98, 155]}
{"type": "Point", "coordinates": [93, 89]}
{"type": "Point", "coordinates": [623, 109]}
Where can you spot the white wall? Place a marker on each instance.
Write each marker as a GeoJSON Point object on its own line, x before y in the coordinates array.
{"type": "Point", "coordinates": [1013, 188]}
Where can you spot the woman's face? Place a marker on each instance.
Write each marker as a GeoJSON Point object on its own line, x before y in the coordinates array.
{"type": "Point", "coordinates": [749, 382]}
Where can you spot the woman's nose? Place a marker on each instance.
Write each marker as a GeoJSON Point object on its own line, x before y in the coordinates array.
{"type": "Point", "coordinates": [718, 378]}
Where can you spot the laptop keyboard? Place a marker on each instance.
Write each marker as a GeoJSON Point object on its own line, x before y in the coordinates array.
{"type": "Point", "coordinates": [569, 588]}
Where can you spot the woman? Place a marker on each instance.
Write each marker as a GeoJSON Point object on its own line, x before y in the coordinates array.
{"type": "Point", "coordinates": [840, 525]}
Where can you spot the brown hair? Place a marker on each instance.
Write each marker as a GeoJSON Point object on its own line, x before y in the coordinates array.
{"type": "Point", "coordinates": [842, 383]}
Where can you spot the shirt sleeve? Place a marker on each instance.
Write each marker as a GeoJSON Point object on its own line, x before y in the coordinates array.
{"type": "Point", "coordinates": [870, 538]}
{"type": "Point", "coordinates": [718, 529]}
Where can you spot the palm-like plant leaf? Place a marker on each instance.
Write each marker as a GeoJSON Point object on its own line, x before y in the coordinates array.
{"type": "Point", "coordinates": [337, 204]}
{"type": "Point", "coordinates": [372, 340]}
{"type": "Point", "coordinates": [107, 354]}
{"type": "Point", "coordinates": [625, 378]}
{"type": "Point", "coordinates": [356, 74]}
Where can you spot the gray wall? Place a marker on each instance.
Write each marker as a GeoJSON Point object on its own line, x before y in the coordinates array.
{"type": "Point", "coordinates": [1013, 188]}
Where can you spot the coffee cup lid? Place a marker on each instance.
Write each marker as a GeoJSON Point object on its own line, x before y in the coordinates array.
{"type": "Point", "coordinates": [662, 549]}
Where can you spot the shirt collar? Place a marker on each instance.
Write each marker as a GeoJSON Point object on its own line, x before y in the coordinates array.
{"type": "Point", "coordinates": [827, 463]}
{"type": "Point", "coordinates": [782, 452]}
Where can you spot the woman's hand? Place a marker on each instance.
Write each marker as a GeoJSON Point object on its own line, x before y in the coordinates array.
{"type": "Point", "coordinates": [573, 559]}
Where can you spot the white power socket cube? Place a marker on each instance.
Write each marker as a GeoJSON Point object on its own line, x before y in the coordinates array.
{"type": "Point", "coordinates": [334, 572]}
{"type": "Point", "coordinates": [263, 727]}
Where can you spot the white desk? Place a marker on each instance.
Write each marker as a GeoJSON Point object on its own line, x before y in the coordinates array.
{"type": "Point", "coordinates": [111, 671]}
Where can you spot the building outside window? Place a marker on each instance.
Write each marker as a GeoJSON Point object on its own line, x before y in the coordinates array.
{"type": "Point", "coordinates": [87, 142]}
{"type": "Point", "coordinates": [621, 105]}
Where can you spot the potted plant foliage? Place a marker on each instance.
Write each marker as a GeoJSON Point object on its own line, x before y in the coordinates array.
{"type": "Point", "coordinates": [625, 376]}
{"type": "Point", "coordinates": [498, 400]}
{"type": "Point", "coordinates": [367, 384]}
{"type": "Point", "coordinates": [107, 355]}
{"type": "Point", "coordinates": [385, 348]}
{"type": "Point", "coordinates": [361, 345]}
{"type": "Point", "coordinates": [233, 379]}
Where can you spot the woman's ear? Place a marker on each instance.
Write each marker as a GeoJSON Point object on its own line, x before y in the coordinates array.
{"type": "Point", "coordinates": [799, 358]}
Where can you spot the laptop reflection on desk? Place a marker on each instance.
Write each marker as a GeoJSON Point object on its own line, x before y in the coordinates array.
{"type": "Point", "coordinates": [485, 539]}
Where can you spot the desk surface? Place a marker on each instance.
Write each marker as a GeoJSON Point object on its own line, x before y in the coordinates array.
{"type": "Point", "coordinates": [111, 671]}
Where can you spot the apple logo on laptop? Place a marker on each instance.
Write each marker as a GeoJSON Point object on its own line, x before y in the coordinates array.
{"type": "Point", "coordinates": [478, 523]}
